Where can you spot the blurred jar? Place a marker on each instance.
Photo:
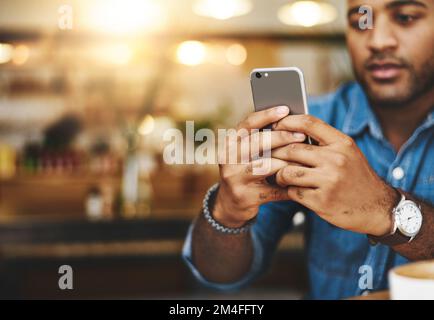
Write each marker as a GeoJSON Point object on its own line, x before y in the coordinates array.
{"type": "Point", "coordinates": [94, 204]}
{"type": "Point", "coordinates": [8, 159]}
{"type": "Point", "coordinates": [137, 189]}
{"type": "Point", "coordinates": [99, 202]}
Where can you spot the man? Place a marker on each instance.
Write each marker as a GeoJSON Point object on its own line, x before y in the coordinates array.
{"type": "Point", "coordinates": [376, 148]}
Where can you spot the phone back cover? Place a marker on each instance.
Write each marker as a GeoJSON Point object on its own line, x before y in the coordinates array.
{"type": "Point", "coordinates": [281, 87]}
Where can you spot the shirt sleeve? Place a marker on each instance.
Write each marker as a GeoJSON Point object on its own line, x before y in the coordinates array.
{"type": "Point", "coordinates": [273, 221]}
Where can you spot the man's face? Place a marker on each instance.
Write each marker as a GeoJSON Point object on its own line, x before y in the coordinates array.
{"type": "Point", "coordinates": [394, 61]}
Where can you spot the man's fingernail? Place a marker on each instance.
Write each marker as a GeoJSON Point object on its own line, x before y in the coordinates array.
{"type": "Point", "coordinates": [299, 135]}
{"type": "Point", "coordinates": [282, 110]}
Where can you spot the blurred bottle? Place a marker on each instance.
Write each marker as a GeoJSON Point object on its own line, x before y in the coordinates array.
{"type": "Point", "coordinates": [130, 179]}
{"type": "Point", "coordinates": [136, 186]}
{"type": "Point", "coordinates": [102, 160]}
{"type": "Point", "coordinates": [144, 199]}
{"type": "Point", "coordinates": [146, 166]}
{"type": "Point", "coordinates": [7, 162]}
{"type": "Point", "coordinates": [32, 159]}
{"type": "Point", "coordinates": [108, 198]}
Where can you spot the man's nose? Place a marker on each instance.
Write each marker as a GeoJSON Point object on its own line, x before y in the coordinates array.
{"type": "Point", "coordinates": [382, 37]}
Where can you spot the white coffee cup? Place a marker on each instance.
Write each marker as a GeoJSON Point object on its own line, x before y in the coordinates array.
{"type": "Point", "coordinates": [413, 281]}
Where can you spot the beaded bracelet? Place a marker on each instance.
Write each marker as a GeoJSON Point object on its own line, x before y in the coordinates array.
{"type": "Point", "coordinates": [217, 226]}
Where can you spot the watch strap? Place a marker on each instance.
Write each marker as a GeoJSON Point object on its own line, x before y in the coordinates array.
{"type": "Point", "coordinates": [390, 240]}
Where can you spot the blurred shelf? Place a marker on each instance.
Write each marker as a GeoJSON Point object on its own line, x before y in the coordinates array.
{"type": "Point", "coordinates": [81, 231]}
{"type": "Point", "coordinates": [91, 250]}
{"type": "Point", "coordinates": [310, 36]}
{"type": "Point", "coordinates": [62, 196]}
{"type": "Point", "coordinates": [72, 177]}
{"type": "Point", "coordinates": [78, 239]}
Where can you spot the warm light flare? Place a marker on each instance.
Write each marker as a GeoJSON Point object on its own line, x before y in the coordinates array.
{"type": "Point", "coordinates": [116, 53]}
{"type": "Point", "coordinates": [222, 9]}
{"type": "Point", "coordinates": [126, 16]}
{"type": "Point", "coordinates": [191, 53]}
{"type": "Point", "coordinates": [6, 52]}
{"type": "Point", "coordinates": [236, 54]}
{"type": "Point", "coordinates": [307, 13]}
{"type": "Point", "coordinates": [147, 125]}
{"type": "Point", "coordinates": [20, 55]}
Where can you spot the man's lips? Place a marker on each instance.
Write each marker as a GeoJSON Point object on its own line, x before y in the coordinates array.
{"type": "Point", "coordinates": [384, 70]}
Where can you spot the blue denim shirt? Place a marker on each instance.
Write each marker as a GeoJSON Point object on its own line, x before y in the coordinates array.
{"type": "Point", "coordinates": [338, 258]}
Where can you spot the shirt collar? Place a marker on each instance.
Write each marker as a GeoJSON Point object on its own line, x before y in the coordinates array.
{"type": "Point", "coordinates": [361, 116]}
{"type": "Point", "coordinates": [430, 119]}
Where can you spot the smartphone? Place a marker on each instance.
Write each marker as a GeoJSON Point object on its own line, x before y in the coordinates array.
{"type": "Point", "coordinates": [273, 87]}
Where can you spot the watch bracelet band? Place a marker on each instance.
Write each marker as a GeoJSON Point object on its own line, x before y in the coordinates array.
{"type": "Point", "coordinates": [395, 237]}
{"type": "Point", "coordinates": [207, 209]}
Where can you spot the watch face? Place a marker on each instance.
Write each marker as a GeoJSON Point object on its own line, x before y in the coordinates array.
{"type": "Point", "coordinates": [409, 218]}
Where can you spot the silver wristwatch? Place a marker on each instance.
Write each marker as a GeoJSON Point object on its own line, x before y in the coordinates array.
{"type": "Point", "coordinates": [407, 222]}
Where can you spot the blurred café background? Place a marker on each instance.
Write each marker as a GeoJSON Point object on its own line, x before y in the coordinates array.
{"type": "Point", "coordinates": [87, 89]}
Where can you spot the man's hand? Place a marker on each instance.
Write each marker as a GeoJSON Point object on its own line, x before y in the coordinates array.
{"type": "Point", "coordinates": [242, 190]}
{"type": "Point", "coordinates": [335, 181]}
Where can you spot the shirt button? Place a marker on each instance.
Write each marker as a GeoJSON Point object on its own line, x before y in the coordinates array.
{"type": "Point", "coordinates": [398, 173]}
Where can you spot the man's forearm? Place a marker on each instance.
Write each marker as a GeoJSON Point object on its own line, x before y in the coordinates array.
{"type": "Point", "coordinates": [220, 258]}
{"type": "Point", "coordinates": [422, 246]}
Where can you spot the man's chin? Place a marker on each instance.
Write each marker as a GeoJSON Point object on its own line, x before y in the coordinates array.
{"type": "Point", "coordinates": [387, 94]}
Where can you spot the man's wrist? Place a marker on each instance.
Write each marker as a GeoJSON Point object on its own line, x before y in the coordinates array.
{"type": "Point", "coordinates": [219, 214]}
{"type": "Point", "coordinates": [385, 224]}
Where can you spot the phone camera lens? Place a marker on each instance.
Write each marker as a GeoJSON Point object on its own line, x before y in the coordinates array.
{"type": "Point", "coordinates": [258, 75]}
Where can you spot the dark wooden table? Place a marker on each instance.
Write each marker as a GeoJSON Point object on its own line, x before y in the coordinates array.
{"type": "Point", "coordinates": [119, 258]}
